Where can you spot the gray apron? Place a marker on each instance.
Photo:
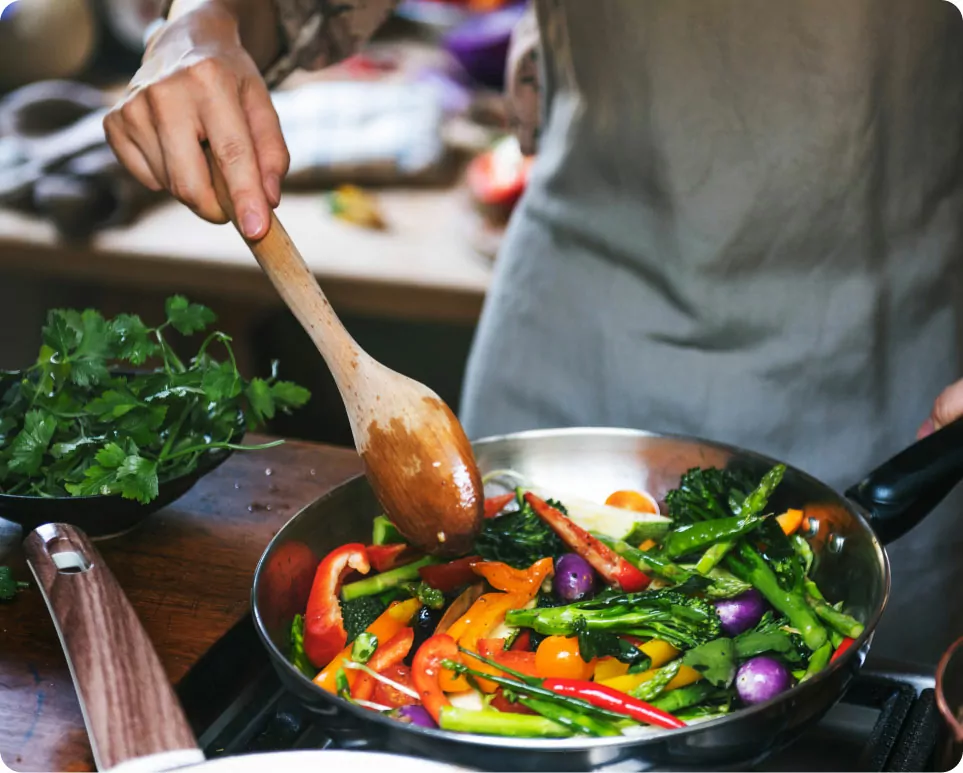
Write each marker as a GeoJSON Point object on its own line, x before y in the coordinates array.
{"type": "Point", "coordinates": [745, 224]}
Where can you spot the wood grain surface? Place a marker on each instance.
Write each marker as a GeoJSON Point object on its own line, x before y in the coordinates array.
{"type": "Point", "coordinates": [187, 572]}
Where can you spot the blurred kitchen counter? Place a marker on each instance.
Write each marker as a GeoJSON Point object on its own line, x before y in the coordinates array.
{"type": "Point", "coordinates": [424, 267]}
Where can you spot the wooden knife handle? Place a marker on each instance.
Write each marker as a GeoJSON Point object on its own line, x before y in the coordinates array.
{"type": "Point", "coordinates": [128, 704]}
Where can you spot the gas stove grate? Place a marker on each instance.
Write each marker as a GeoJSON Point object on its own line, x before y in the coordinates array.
{"type": "Point", "coordinates": [236, 705]}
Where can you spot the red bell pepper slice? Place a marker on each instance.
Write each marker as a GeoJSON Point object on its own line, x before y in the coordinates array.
{"type": "Point", "coordinates": [385, 557]}
{"type": "Point", "coordinates": [522, 643]}
{"type": "Point", "coordinates": [614, 700]}
{"type": "Point", "coordinates": [324, 634]}
{"type": "Point", "coordinates": [426, 669]}
{"type": "Point", "coordinates": [388, 654]}
{"type": "Point", "coordinates": [844, 645]}
{"type": "Point", "coordinates": [494, 505]}
{"type": "Point", "coordinates": [450, 576]}
{"type": "Point", "coordinates": [614, 569]}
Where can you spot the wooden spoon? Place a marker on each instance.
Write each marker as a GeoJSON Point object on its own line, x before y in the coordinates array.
{"type": "Point", "coordinates": [416, 455]}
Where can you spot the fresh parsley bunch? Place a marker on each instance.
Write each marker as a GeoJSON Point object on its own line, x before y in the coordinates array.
{"type": "Point", "coordinates": [87, 418]}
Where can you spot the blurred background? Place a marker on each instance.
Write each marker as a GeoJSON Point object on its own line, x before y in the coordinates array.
{"type": "Point", "coordinates": [403, 176]}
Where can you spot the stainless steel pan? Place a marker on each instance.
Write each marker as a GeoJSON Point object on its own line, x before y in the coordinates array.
{"type": "Point", "coordinates": [846, 533]}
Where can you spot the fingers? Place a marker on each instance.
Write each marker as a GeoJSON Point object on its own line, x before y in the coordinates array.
{"type": "Point", "coordinates": [229, 137]}
{"type": "Point", "coordinates": [129, 154]}
{"type": "Point", "coordinates": [157, 133]}
{"type": "Point", "coordinates": [947, 409]}
{"type": "Point", "coordinates": [269, 146]}
{"type": "Point", "coordinates": [188, 175]}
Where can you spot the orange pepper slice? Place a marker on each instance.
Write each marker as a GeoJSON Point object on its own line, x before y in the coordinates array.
{"type": "Point", "coordinates": [790, 521]}
{"type": "Point", "coordinates": [510, 580]}
{"type": "Point", "coordinates": [487, 612]}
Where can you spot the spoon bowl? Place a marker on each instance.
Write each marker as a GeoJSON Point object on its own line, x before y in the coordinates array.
{"type": "Point", "coordinates": [415, 452]}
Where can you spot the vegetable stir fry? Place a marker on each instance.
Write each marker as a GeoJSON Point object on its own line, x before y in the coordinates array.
{"type": "Point", "coordinates": [578, 619]}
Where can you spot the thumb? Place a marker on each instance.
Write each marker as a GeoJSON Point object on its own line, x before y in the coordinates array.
{"type": "Point", "coordinates": [947, 409]}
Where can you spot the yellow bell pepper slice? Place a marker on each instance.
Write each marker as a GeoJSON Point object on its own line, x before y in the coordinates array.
{"type": "Point", "coordinates": [386, 625]}
{"type": "Point", "coordinates": [609, 668]}
{"type": "Point", "coordinates": [629, 682]}
{"type": "Point", "coordinates": [660, 652]}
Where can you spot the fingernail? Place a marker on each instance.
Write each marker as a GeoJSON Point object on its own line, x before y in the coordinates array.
{"type": "Point", "coordinates": [272, 186]}
{"type": "Point", "coordinates": [926, 430]}
{"type": "Point", "coordinates": [251, 224]}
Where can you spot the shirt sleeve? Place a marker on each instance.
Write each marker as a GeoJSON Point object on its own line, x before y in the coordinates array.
{"type": "Point", "coordinates": [318, 33]}
{"type": "Point", "coordinates": [522, 82]}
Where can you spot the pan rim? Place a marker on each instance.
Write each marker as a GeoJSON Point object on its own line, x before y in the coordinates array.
{"type": "Point", "coordinates": [859, 649]}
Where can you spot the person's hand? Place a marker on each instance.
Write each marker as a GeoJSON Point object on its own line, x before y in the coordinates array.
{"type": "Point", "coordinates": [197, 82]}
{"type": "Point", "coordinates": [947, 409]}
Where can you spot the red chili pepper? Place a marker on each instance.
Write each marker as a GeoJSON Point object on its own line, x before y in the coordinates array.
{"type": "Point", "coordinates": [494, 505]}
{"type": "Point", "coordinates": [450, 576]}
{"type": "Point", "coordinates": [522, 643]}
{"type": "Point", "coordinates": [385, 557]}
{"type": "Point", "coordinates": [324, 634]}
{"type": "Point", "coordinates": [426, 668]}
{"type": "Point", "coordinates": [614, 569]}
{"type": "Point", "coordinates": [388, 654]}
{"type": "Point", "coordinates": [614, 700]}
{"type": "Point", "coordinates": [844, 645]}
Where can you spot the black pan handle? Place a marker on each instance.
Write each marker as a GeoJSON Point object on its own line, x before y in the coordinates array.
{"type": "Point", "coordinates": [901, 492]}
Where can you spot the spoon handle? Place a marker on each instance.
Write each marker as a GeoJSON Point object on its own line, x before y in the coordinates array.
{"type": "Point", "coordinates": [297, 286]}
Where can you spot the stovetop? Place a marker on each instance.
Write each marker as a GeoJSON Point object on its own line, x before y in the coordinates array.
{"type": "Point", "coordinates": [887, 721]}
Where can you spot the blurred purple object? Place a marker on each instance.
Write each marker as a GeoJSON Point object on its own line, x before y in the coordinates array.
{"type": "Point", "coordinates": [454, 96]}
{"type": "Point", "coordinates": [480, 44]}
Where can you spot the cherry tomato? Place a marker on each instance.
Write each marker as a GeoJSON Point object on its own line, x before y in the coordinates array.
{"type": "Point", "coordinates": [558, 657]}
{"type": "Point", "coordinates": [632, 500]}
{"type": "Point", "coordinates": [389, 696]}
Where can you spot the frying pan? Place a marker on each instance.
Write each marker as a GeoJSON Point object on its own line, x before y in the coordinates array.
{"type": "Point", "coordinates": [133, 718]}
{"type": "Point", "coordinates": [846, 533]}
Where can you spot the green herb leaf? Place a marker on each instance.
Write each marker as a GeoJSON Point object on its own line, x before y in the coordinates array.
{"type": "Point", "coordinates": [67, 426]}
{"type": "Point", "coordinates": [258, 393]}
{"type": "Point", "coordinates": [138, 479]}
{"type": "Point", "coordinates": [221, 382]}
{"type": "Point", "coordinates": [287, 394]}
{"type": "Point", "coordinates": [112, 404]}
{"type": "Point", "coordinates": [187, 318]}
{"type": "Point", "coordinates": [29, 446]}
{"type": "Point", "coordinates": [715, 660]}
{"type": "Point", "coordinates": [9, 586]}
{"type": "Point", "coordinates": [129, 339]}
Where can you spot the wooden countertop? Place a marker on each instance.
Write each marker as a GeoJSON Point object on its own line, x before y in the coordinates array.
{"type": "Point", "coordinates": [423, 267]}
{"type": "Point", "coordinates": [187, 571]}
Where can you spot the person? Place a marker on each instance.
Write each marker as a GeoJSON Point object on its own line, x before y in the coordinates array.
{"type": "Point", "coordinates": [745, 222]}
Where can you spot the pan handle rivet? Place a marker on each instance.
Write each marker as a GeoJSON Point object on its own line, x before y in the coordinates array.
{"type": "Point", "coordinates": [836, 543]}
{"type": "Point", "coordinates": [813, 527]}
